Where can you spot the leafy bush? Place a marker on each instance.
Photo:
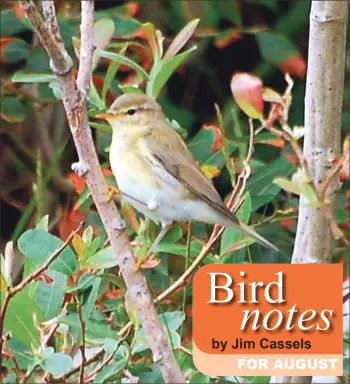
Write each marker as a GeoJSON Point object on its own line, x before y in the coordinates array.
{"type": "Point", "coordinates": [79, 301]}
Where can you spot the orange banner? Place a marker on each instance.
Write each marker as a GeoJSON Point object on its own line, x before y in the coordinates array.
{"type": "Point", "coordinates": [266, 311]}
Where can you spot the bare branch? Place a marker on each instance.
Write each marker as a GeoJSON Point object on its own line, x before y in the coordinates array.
{"type": "Point", "coordinates": [61, 62]}
{"type": "Point", "coordinates": [323, 105]}
{"type": "Point", "coordinates": [86, 48]}
{"type": "Point", "coordinates": [74, 103]}
{"type": "Point", "coordinates": [49, 13]}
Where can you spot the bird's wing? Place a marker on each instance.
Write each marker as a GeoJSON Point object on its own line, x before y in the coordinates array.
{"type": "Point", "coordinates": [181, 165]}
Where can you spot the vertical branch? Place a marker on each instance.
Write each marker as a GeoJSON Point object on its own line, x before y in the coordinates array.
{"type": "Point", "coordinates": [49, 13]}
{"type": "Point", "coordinates": [86, 48]}
{"type": "Point", "coordinates": [73, 97]}
{"type": "Point", "coordinates": [323, 111]}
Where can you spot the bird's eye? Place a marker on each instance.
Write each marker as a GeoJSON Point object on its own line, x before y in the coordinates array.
{"type": "Point", "coordinates": [131, 111]}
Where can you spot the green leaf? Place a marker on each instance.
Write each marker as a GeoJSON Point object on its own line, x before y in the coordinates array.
{"type": "Point", "coordinates": [10, 379]}
{"type": "Point", "coordinates": [124, 26]}
{"type": "Point", "coordinates": [181, 39]}
{"type": "Point", "coordinates": [167, 68]}
{"type": "Point", "coordinates": [243, 214]}
{"type": "Point", "coordinates": [230, 10]}
{"type": "Point", "coordinates": [110, 75]}
{"type": "Point", "coordinates": [275, 48]}
{"type": "Point", "coordinates": [90, 302]}
{"type": "Point", "coordinates": [58, 364]}
{"type": "Point", "coordinates": [346, 366]}
{"type": "Point", "coordinates": [174, 234]}
{"type": "Point", "coordinates": [310, 194]}
{"type": "Point", "coordinates": [94, 97]}
{"type": "Point", "coordinates": [229, 237]}
{"type": "Point", "coordinates": [126, 88]}
{"type": "Point", "coordinates": [141, 343]}
{"type": "Point", "coordinates": [114, 279]}
{"type": "Point", "coordinates": [49, 296]}
{"type": "Point", "coordinates": [12, 110]}
{"type": "Point", "coordinates": [200, 378]}
{"type": "Point", "coordinates": [39, 245]}
{"type": "Point", "coordinates": [43, 224]}
{"type": "Point", "coordinates": [56, 89]}
{"type": "Point", "coordinates": [287, 185]}
{"type": "Point", "coordinates": [10, 24]}
{"type": "Point", "coordinates": [85, 281]}
{"type": "Point", "coordinates": [38, 61]}
{"type": "Point", "coordinates": [178, 249]}
{"type": "Point", "coordinates": [105, 258]}
{"type": "Point", "coordinates": [260, 185]}
{"type": "Point", "coordinates": [110, 345]}
{"type": "Point", "coordinates": [3, 281]}
{"type": "Point", "coordinates": [201, 143]}
{"type": "Point", "coordinates": [173, 320]}
{"type": "Point", "coordinates": [151, 35]}
{"type": "Point", "coordinates": [15, 50]}
{"type": "Point", "coordinates": [103, 32]}
{"type": "Point", "coordinates": [22, 77]}
{"type": "Point", "coordinates": [101, 127]}
{"type": "Point", "coordinates": [123, 60]}
{"type": "Point", "coordinates": [19, 319]}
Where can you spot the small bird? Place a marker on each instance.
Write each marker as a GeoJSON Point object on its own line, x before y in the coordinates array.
{"type": "Point", "coordinates": [157, 174]}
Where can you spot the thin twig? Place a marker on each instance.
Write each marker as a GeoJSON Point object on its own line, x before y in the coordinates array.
{"type": "Point", "coordinates": [324, 186]}
{"type": "Point", "coordinates": [82, 342]}
{"type": "Point", "coordinates": [28, 374]}
{"type": "Point", "coordinates": [105, 362]}
{"type": "Point", "coordinates": [90, 360]}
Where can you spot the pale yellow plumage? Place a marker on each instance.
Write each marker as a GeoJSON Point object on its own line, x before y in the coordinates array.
{"type": "Point", "coordinates": [156, 172]}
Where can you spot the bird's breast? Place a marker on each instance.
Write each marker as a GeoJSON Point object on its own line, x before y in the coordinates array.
{"type": "Point", "coordinates": [131, 171]}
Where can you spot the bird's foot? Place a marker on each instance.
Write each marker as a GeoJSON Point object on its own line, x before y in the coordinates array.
{"type": "Point", "coordinates": [112, 191]}
{"type": "Point", "coordinates": [147, 261]}
{"type": "Point", "coordinates": [141, 261]}
{"type": "Point", "coordinates": [80, 168]}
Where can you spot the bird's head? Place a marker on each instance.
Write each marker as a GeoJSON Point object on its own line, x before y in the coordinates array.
{"type": "Point", "coordinates": [132, 110]}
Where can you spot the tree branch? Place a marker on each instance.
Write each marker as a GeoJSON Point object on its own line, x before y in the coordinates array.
{"type": "Point", "coordinates": [323, 107]}
{"type": "Point", "coordinates": [74, 103]}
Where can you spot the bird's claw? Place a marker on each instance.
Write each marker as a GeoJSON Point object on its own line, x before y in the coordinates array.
{"type": "Point", "coordinates": [80, 168]}
{"type": "Point", "coordinates": [112, 191]}
{"type": "Point", "coordinates": [142, 260]}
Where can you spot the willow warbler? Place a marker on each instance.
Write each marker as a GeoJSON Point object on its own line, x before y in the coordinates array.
{"type": "Point", "coordinates": [157, 174]}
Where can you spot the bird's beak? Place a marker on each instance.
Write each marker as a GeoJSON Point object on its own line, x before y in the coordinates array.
{"type": "Point", "coordinates": [104, 116]}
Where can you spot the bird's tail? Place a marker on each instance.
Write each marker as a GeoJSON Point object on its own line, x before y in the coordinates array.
{"type": "Point", "coordinates": [261, 240]}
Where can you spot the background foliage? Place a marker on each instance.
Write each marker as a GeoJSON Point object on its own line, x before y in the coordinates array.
{"type": "Point", "coordinates": [42, 201]}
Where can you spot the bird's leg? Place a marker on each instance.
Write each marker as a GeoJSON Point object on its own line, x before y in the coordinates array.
{"type": "Point", "coordinates": [112, 192]}
{"type": "Point", "coordinates": [161, 234]}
